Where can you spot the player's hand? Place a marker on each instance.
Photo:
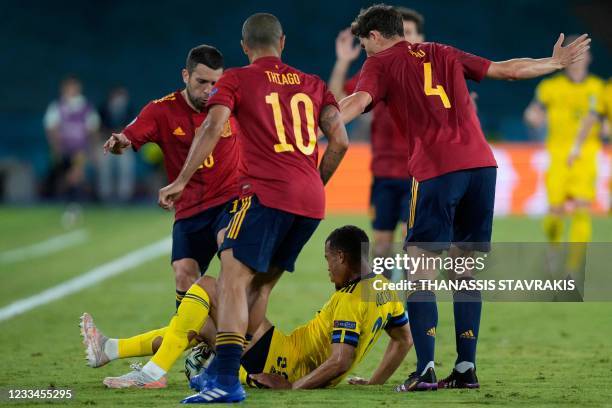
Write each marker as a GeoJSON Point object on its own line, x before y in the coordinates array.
{"type": "Point", "coordinates": [358, 381]}
{"type": "Point", "coordinates": [346, 49]}
{"type": "Point", "coordinates": [169, 195]}
{"type": "Point", "coordinates": [571, 53]}
{"type": "Point", "coordinates": [272, 381]}
{"type": "Point", "coordinates": [116, 143]}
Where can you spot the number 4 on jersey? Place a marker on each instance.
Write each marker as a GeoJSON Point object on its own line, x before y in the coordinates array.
{"type": "Point", "coordinates": [438, 90]}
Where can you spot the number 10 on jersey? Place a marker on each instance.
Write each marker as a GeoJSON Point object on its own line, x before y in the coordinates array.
{"type": "Point", "coordinates": [296, 100]}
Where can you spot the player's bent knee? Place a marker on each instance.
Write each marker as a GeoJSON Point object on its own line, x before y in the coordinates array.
{"type": "Point", "coordinates": [209, 285]}
{"type": "Point", "coordinates": [186, 273]}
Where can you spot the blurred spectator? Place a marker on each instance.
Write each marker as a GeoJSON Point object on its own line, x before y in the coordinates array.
{"type": "Point", "coordinates": [70, 122]}
{"type": "Point", "coordinates": [115, 172]}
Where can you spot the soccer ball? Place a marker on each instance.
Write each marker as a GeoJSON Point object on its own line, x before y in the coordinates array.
{"type": "Point", "coordinates": [198, 359]}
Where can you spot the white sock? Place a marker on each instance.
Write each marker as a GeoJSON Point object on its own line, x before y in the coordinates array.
{"type": "Point", "coordinates": [463, 366]}
{"type": "Point", "coordinates": [111, 348]}
{"type": "Point", "coordinates": [427, 367]}
{"type": "Point", "coordinates": [153, 370]}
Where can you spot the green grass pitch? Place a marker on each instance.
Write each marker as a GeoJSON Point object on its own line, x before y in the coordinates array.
{"type": "Point", "coordinates": [529, 353]}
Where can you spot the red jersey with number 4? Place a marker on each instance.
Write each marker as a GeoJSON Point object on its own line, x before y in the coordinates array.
{"type": "Point", "coordinates": [424, 86]}
{"type": "Point", "coordinates": [278, 109]}
{"type": "Point", "coordinates": [389, 146]}
{"type": "Point", "coordinates": [171, 123]}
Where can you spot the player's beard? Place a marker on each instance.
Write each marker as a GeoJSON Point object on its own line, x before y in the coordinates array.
{"type": "Point", "coordinates": [197, 103]}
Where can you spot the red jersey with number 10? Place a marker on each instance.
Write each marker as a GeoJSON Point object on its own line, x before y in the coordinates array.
{"type": "Point", "coordinates": [424, 87]}
{"type": "Point", "coordinates": [171, 123]}
{"type": "Point", "coordinates": [278, 110]}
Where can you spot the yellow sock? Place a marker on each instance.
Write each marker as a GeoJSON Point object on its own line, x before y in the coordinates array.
{"type": "Point", "coordinates": [139, 345]}
{"type": "Point", "coordinates": [580, 231]}
{"type": "Point", "coordinates": [553, 228]}
{"type": "Point", "coordinates": [242, 375]}
{"type": "Point", "coordinates": [190, 316]}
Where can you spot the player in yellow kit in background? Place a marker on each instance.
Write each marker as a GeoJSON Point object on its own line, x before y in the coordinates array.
{"type": "Point", "coordinates": [561, 103]}
{"type": "Point", "coordinates": [603, 114]}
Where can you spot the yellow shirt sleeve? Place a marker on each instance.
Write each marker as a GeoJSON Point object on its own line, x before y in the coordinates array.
{"type": "Point", "coordinates": [346, 327]}
{"type": "Point", "coordinates": [399, 317]}
{"type": "Point", "coordinates": [543, 92]}
{"type": "Point", "coordinates": [604, 102]}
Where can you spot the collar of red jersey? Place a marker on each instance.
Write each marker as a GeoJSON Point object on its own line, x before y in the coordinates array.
{"type": "Point", "coordinates": [268, 60]}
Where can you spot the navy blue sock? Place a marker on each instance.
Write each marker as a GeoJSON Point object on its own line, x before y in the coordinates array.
{"type": "Point", "coordinates": [247, 339]}
{"type": "Point", "coordinates": [467, 305]}
{"type": "Point", "coordinates": [229, 349]}
{"type": "Point", "coordinates": [211, 370]}
{"type": "Point", "coordinates": [179, 297]}
{"type": "Point", "coordinates": [423, 317]}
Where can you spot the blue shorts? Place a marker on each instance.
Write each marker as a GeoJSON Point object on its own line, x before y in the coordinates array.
{"type": "Point", "coordinates": [261, 237]}
{"type": "Point", "coordinates": [196, 237]}
{"type": "Point", "coordinates": [390, 202]}
{"type": "Point", "coordinates": [453, 208]}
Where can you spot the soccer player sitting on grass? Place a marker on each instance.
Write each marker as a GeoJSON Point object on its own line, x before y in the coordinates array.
{"type": "Point", "coordinates": [321, 352]}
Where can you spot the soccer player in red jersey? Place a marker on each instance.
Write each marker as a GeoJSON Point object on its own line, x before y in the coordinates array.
{"type": "Point", "coordinates": [278, 108]}
{"type": "Point", "coordinates": [171, 122]}
{"type": "Point", "coordinates": [391, 186]}
{"type": "Point", "coordinates": [424, 86]}
{"type": "Point", "coordinates": [204, 210]}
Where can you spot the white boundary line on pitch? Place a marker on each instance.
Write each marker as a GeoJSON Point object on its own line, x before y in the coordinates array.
{"type": "Point", "coordinates": [49, 246]}
{"type": "Point", "coordinates": [87, 279]}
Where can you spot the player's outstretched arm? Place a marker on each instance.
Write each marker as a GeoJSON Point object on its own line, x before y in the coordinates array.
{"type": "Point", "coordinates": [346, 52]}
{"type": "Point", "coordinates": [526, 68]}
{"type": "Point", "coordinates": [354, 105]}
{"type": "Point", "coordinates": [332, 126]}
{"type": "Point", "coordinates": [116, 144]}
{"type": "Point", "coordinates": [204, 141]}
{"type": "Point", "coordinates": [338, 363]}
{"type": "Point", "coordinates": [400, 343]}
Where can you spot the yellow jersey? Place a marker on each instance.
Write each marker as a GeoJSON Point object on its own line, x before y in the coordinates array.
{"type": "Point", "coordinates": [604, 106]}
{"type": "Point", "coordinates": [567, 103]}
{"type": "Point", "coordinates": [355, 314]}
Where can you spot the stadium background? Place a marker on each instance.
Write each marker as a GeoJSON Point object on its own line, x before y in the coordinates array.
{"type": "Point", "coordinates": [107, 43]}
{"type": "Point", "coordinates": [533, 353]}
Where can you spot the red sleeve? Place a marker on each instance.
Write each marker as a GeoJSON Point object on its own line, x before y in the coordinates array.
{"type": "Point", "coordinates": [225, 91]}
{"type": "Point", "coordinates": [373, 81]}
{"type": "Point", "coordinates": [144, 128]}
{"type": "Point", "coordinates": [474, 67]}
{"type": "Point", "coordinates": [351, 84]}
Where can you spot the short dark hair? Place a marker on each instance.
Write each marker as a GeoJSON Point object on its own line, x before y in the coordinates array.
{"type": "Point", "coordinates": [351, 240]}
{"type": "Point", "coordinates": [205, 55]}
{"type": "Point", "coordinates": [409, 14]}
{"type": "Point", "coordinates": [380, 17]}
{"type": "Point", "coordinates": [261, 30]}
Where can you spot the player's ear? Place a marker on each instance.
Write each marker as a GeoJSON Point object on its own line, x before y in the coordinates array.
{"type": "Point", "coordinates": [244, 47]}
{"type": "Point", "coordinates": [282, 42]}
{"type": "Point", "coordinates": [342, 257]}
{"type": "Point", "coordinates": [185, 75]}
